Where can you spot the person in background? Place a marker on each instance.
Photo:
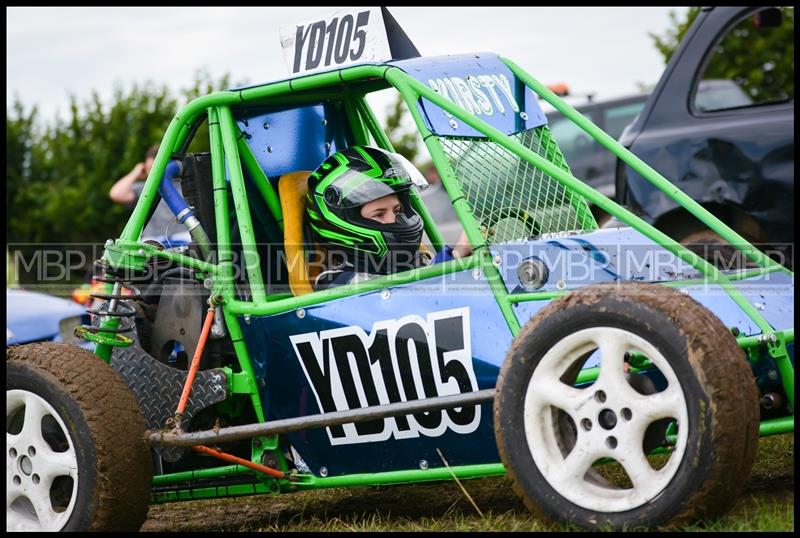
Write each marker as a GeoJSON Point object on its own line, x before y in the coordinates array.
{"type": "Point", "coordinates": [162, 226]}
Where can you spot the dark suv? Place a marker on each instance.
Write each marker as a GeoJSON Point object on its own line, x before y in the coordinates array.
{"type": "Point", "coordinates": [587, 159]}
{"type": "Point", "coordinates": [720, 126]}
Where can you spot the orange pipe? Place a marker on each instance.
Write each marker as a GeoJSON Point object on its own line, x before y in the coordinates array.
{"type": "Point", "coordinates": [233, 459]}
{"type": "Point", "coordinates": [187, 387]}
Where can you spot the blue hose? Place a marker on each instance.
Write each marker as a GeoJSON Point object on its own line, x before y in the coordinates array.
{"type": "Point", "coordinates": [183, 213]}
{"type": "Point", "coordinates": [170, 195]}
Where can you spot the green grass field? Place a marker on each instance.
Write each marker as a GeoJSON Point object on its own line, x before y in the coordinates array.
{"type": "Point", "coordinates": [766, 505]}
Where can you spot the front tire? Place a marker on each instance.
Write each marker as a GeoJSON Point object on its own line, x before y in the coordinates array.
{"type": "Point", "coordinates": [76, 455]}
{"type": "Point", "coordinates": [552, 433]}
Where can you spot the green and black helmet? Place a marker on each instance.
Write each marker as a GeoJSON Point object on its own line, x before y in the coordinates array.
{"type": "Point", "coordinates": [347, 180]}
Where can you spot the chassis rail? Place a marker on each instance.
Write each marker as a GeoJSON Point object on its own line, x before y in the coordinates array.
{"type": "Point", "coordinates": [236, 433]}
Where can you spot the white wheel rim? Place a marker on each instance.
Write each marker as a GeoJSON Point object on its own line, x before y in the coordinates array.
{"type": "Point", "coordinates": [32, 466]}
{"type": "Point", "coordinates": [567, 475]}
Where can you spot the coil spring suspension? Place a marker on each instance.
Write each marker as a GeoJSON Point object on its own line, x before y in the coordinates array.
{"type": "Point", "coordinates": [117, 304]}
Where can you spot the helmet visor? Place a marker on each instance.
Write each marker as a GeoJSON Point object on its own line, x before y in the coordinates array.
{"type": "Point", "coordinates": [353, 188]}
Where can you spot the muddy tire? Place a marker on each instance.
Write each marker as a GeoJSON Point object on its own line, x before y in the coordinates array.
{"type": "Point", "coordinates": [552, 433]}
{"type": "Point", "coordinates": [76, 456]}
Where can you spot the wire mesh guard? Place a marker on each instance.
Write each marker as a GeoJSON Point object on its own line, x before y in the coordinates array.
{"type": "Point", "coordinates": [510, 198]}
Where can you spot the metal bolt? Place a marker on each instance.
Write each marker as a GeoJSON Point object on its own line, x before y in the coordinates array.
{"type": "Point", "coordinates": [216, 331]}
{"type": "Point", "coordinates": [385, 294]}
{"type": "Point", "coordinates": [266, 125]}
{"type": "Point", "coordinates": [269, 149]}
{"type": "Point", "coordinates": [109, 242]}
{"type": "Point", "coordinates": [301, 313]}
{"type": "Point", "coordinates": [327, 146]}
{"type": "Point", "coordinates": [323, 472]}
{"type": "Point", "coordinates": [523, 115]}
{"type": "Point", "coordinates": [256, 443]}
{"type": "Point", "coordinates": [772, 338]}
{"type": "Point", "coordinates": [497, 260]}
{"type": "Point", "coordinates": [772, 375]}
{"type": "Point", "coordinates": [454, 124]}
{"type": "Point", "coordinates": [324, 121]}
{"type": "Point", "coordinates": [216, 378]}
{"type": "Point", "coordinates": [216, 388]}
{"type": "Point", "coordinates": [760, 306]}
{"type": "Point", "coordinates": [561, 284]}
{"type": "Point", "coordinates": [208, 283]}
{"type": "Point", "coordinates": [141, 251]}
{"type": "Point", "coordinates": [476, 274]}
{"type": "Point", "coordinates": [423, 464]}
{"type": "Point", "coordinates": [247, 320]}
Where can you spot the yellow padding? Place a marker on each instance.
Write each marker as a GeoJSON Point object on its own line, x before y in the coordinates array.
{"type": "Point", "coordinates": [292, 188]}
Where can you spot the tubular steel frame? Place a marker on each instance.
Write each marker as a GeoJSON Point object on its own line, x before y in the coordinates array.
{"type": "Point", "coordinates": [229, 149]}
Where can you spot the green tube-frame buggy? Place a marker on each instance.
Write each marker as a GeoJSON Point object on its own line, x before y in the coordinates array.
{"type": "Point", "coordinates": [497, 360]}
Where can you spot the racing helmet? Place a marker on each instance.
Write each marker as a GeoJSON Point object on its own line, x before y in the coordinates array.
{"type": "Point", "coordinates": [338, 189]}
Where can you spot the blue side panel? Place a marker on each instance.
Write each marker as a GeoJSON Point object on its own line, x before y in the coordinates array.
{"type": "Point", "coordinates": [619, 254]}
{"type": "Point", "coordinates": [294, 139]}
{"type": "Point", "coordinates": [527, 310]}
{"type": "Point", "coordinates": [443, 327]}
{"type": "Point", "coordinates": [482, 85]}
{"type": "Point", "coordinates": [603, 255]}
{"type": "Point", "coordinates": [773, 296]}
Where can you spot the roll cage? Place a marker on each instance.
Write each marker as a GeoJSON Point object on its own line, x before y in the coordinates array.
{"type": "Point", "coordinates": [346, 88]}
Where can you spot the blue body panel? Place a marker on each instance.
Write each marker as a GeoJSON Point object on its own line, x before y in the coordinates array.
{"type": "Point", "coordinates": [288, 140]}
{"type": "Point", "coordinates": [613, 254]}
{"type": "Point", "coordinates": [289, 393]}
{"type": "Point", "coordinates": [479, 83]}
{"type": "Point", "coordinates": [604, 255]}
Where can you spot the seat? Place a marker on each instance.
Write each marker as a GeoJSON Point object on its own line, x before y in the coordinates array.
{"type": "Point", "coordinates": [292, 189]}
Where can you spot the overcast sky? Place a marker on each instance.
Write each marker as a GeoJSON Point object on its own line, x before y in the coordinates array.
{"type": "Point", "coordinates": [53, 51]}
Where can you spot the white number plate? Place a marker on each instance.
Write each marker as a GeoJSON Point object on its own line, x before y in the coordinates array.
{"type": "Point", "coordinates": [347, 37]}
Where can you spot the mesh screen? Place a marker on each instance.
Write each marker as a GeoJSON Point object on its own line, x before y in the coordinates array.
{"type": "Point", "coordinates": [511, 199]}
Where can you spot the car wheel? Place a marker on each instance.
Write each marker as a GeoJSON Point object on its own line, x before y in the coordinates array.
{"type": "Point", "coordinates": [578, 451]}
{"type": "Point", "coordinates": [76, 455]}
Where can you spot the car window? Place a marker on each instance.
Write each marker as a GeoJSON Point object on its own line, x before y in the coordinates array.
{"type": "Point", "coordinates": [575, 144]}
{"type": "Point", "coordinates": [752, 64]}
{"type": "Point", "coordinates": [618, 117]}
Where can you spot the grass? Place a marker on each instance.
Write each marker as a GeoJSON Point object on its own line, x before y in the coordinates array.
{"type": "Point", "coordinates": [766, 505]}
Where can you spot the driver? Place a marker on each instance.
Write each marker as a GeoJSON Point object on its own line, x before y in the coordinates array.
{"type": "Point", "coordinates": [358, 207]}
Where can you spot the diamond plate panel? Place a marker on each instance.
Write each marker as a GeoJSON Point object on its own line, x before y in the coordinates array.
{"type": "Point", "coordinates": [157, 387]}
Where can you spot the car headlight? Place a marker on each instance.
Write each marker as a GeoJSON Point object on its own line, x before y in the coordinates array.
{"type": "Point", "coordinates": [66, 328]}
